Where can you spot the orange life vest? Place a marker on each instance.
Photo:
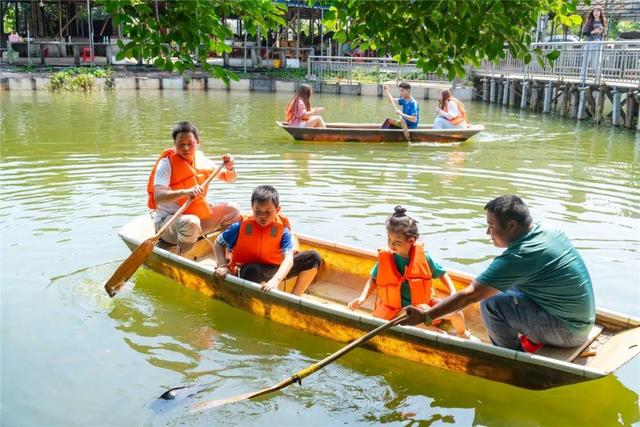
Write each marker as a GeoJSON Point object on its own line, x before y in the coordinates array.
{"type": "Point", "coordinates": [183, 176]}
{"type": "Point", "coordinates": [389, 281]}
{"type": "Point", "coordinates": [258, 244]}
{"type": "Point", "coordinates": [462, 114]}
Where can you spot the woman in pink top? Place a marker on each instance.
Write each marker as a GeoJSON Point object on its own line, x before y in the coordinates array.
{"type": "Point", "coordinates": [299, 112]}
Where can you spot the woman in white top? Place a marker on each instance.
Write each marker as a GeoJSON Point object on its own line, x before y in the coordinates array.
{"type": "Point", "coordinates": [451, 113]}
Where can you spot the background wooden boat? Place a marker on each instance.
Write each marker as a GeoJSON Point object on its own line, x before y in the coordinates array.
{"type": "Point", "coordinates": [322, 311]}
{"type": "Point", "coordinates": [363, 132]}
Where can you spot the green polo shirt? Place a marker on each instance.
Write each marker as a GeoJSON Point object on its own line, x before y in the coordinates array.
{"type": "Point", "coordinates": [544, 266]}
{"type": "Point", "coordinates": [401, 265]}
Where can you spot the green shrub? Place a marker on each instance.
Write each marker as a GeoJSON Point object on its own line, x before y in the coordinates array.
{"type": "Point", "coordinates": [58, 81]}
{"type": "Point", "coordinates": [102, 73]}
{"type": "Point", "coordinates": [72, 79]}
{"type": "Point", "coordinates": [84, 82]}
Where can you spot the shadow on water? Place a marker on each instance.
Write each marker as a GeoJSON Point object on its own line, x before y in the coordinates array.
{"type": "Point", "coordinates": [218, 351]}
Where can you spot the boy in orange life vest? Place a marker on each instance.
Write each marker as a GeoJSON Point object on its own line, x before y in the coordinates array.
{"type": "Point", "coordinates": [263, 247]}
{"type": "Point", "coordinates": [403, 274]}
{"type": "Point", "coordinates": [176, 176]}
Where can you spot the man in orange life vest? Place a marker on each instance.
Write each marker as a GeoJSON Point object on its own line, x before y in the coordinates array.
{"type": "Point", "coordinates": [176, 176]}
{"type": "Point", "coordinates": [262, 246]}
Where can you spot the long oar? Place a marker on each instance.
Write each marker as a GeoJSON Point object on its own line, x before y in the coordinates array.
{"type": "Point", "coordinates": [142, 252]}
{"type": "Point", "coordinates": [405, 130]}
{"type": "Point", "coordinates": [298, 376]}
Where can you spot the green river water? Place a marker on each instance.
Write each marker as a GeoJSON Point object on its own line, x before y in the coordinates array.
{"type": "Point", "coordinates": [74, 170]}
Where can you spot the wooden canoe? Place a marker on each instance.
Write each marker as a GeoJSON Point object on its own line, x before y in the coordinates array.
{"type": "Point", "coordinates": [322, 311]}
{"type": "Point", "coordinates": [363, 132]}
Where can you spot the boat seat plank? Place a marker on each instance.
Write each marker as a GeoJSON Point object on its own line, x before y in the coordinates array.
{"type": "Point", "coordinates": [616, 351]}
{"type": "Point", "coordinates": [569, 353]}
{"type": "Point", "coordinates": [339, 294]}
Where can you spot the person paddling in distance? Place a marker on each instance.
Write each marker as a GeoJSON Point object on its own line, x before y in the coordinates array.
{"type": "Point", "coordinates": [450, 112]}
{"type": "Point", "coordinates": [262, 247]}
{"type": "Point", "coordinates": [410, 112]}
{"type": "Point", "coordinates": [176, 176]}
{"type": "Point", "coordinates": [538, 291]}
{"type": "Point", "coordinates": [299, 112]}
{"type": "Point", "coordinates": [404, 273]}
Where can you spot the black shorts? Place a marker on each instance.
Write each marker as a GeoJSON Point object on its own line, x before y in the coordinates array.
{"type": "Point", "coordinates": [302, 261]}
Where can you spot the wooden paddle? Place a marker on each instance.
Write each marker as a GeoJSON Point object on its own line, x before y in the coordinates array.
{"type": "Point", "coordinates": [405, 130]}
{"type": "Point", "coordinates": [142, 252]}
{"type": "Point", "coordinates": [298, 376]}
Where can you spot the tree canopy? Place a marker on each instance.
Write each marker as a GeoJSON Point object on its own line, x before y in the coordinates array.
{"type": "Point", "coordinates": [181, 35]}
{"type": "Point", "coordinates": [446, 35]}
{"type": "Point", "coordinates": [443, 35]}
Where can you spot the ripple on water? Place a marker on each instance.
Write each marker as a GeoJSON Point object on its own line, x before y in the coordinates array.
{"type": "Point", "coordinates": [75, 189]}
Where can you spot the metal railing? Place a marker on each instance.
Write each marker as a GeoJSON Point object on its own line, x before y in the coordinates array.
{"type": "Point", "coordinates": [38, 50]}
{"type": "Point", "coordinates": [364, 69]}
{"type": "Point", "coordinates": [588, 63]}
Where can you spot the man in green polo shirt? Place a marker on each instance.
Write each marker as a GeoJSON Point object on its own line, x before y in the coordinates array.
{"type": "Point", "coordinates": [539, 287]}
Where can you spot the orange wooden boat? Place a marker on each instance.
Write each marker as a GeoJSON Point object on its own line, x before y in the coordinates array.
{"type": "Point", "coordinates": [322, 310]}
{"type": "Point", "coordinates": [363, 132]}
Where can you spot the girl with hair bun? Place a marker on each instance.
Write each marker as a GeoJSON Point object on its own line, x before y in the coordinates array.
{"type": "Point", "coordinates": [404, 274]}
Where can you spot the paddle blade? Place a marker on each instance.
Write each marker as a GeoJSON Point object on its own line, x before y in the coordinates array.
{"type": "Point", "coordinates": [129, 266]}
{"type": "Point", "coordinates": [210, 404]}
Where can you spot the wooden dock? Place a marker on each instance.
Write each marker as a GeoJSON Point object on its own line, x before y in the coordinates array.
{"type": "Point", "coordinates": [596, 80]}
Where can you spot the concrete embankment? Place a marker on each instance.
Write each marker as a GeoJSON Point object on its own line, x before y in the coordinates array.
{"type": "Point", "coordinates": [37, 82]}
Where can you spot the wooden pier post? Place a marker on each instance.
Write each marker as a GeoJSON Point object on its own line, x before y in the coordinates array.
{"type": "Point", "coordinates": [615, 115]}
{"type": "Point", "coordinates": [600, 100]}
{"type": "Point", "coordinates": [597, 113]}
{"type": "Point", "coordinates": [638, 100]}
{"type": "Point", "coordinates": [573, 102]}
{"type": "Point", "coordinates": [485, 90]}
{"type": "Point", "coordinates": [535, 96]}
{"type": "Point", "coordinates": [547, 98]}
{"type": "Point", "coordinates": [564, 100]}
{"type": "Point", "coordinates": [512, 94]}
{"type": "Point", "coordinates": [523, 100]}
{"type": "Point", "coordinates": [581, 115]}
{"type": "Point", "coordinates": [505, 93]}
{"type": "Point", "coordinates": [590, 102]}
{"type": "Point", "coordinates": [632, 106]}
{"type": "Point", "coordinates": [492, 97]}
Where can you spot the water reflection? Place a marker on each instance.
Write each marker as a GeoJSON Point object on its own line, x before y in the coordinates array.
{"type": "Point", "coordinates": [173, 330]}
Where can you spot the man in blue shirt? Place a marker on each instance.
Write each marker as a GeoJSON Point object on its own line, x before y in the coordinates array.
{"type": "Point", "coordinates": [410, 109]}
{"type": "Point", "coordinates": [538, 288]}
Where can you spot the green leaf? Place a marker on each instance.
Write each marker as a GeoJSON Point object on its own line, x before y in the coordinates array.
{"type": "Point", "coordinates": [553, 55]}
{"type": "Point", "coordinates": [451, 73]}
